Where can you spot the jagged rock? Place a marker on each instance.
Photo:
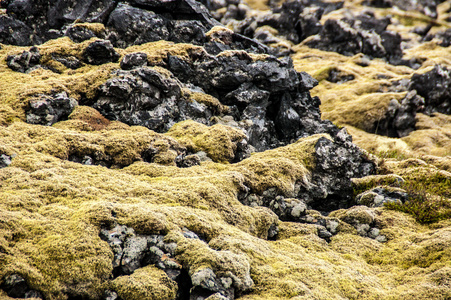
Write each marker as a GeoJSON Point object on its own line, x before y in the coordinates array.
{"type": "Point", "coordinates": [100, 52]}
{"type": "Point", "coordinates": [427, 7]}
{"type": "Point", "coordinates": [400, 116]}
{"type": "Point", "coordinates": [16, 32]}
{"type": "Point", "coordinates": [136, 26]}
{"type": "Point", "coordinates": [15, 286]}
{"type": "Point", "coordinates": [48, 18]}
{"type": "Point", "coordinates": [435, 87]}
{"type": "Point", "coordinates": [79, 34]}
{"type": "Point", "coordinates": [145, 97]}
{"type": "Point", "coordinates": [336, 163]}
{"type": "Point", "coordinates": [134, 60]}
{"type": "Point", "coordinates": [378, 196]}
{"type": "Point", "coordinates": [133, 251]}
{"type": "Point", "coordinates": [70, 62]}
{"type": "Point", "coordinates": [358, 35]}
{"type": "Point", "coordinates": [272, 99]}
{"type": "Point", "coordinates": [25, 61]}
{"type": "Point", "coordinates": [47, 110]}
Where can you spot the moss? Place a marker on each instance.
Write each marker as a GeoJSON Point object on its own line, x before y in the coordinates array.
{"type": "Point", "coordinates": [363, 184]}
{"type": "Point", "coordinates": [148, 283]}
{"type": "Point", "coordinates": [158, 51]}
{"type": "Point", "coordinates": [52, 209]}
{"type": "Point", "coordinates": [97, 28]}
{"type": "Point", "coordinates": [17, 87]}
{"type": "Point", "coordinates": [206, 99]}
{"type": "Point", "coordinates": [218, 141]}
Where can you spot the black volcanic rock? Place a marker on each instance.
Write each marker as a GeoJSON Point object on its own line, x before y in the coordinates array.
{"type": "Point", "coordinates": [24, 61]}
{"type": "Point", "coordinates": [15, 32]}
{"type": "Point", "coordinates": [47, 110]}
{"type": "Point", "coordinates": [435, 87]}
{"type": "Point", "coordinates": [100, 52]}
{"type": "Point", "coordinates": [363, 34]}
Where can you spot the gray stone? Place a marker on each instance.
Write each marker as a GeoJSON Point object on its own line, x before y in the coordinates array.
{"type": "Point", "coordinates": [25, 61]}
{"type": "Point", "coordinates": [134, 60]}
{"type": "Point", "coordinates": [373, 233]}
{"type": "Point", "coordinates": [49, 109]}
{"type": "Point", "coordinates": [5, 160]}
{"type": "Point", "coordinates": [362, 229]}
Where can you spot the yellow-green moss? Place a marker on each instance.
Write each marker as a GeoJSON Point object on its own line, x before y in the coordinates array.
{"type": "Point", "coordinates": [17, 87]}
{"type": "Point", "coordinates": [218, 141]}
{"type": "Point", "coordinates": [97, 28]}
{"type": "Point", "coordinates": [207, 100]}
{"type": "Point", "coordinates": [148, 283]}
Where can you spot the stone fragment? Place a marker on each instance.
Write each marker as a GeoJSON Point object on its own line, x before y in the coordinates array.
{"type": "Point", "coordinates": [15, 32]}
{"type": "Point", "coordinates": [400, 119]}
{"type": "Point", "coordinates": [5, 160]}
{"type": "Point", "coordinates": [70, 62]}
{"type": "Point", "coordinates": [427, 7]}
{"type": "Point", "coordinates": [49, 109]}
{"type": "Point", "coordinates": [134, 60]}
{"type": "Point", "coordinates": [435, 87]}
{"type": "Point", "coordinates": [100, 52]}
{"type": "Point", "coordinates": [25, 61]}
{"type": "Point", "coordinates": [15, 286]}
{"type": "Point", "coordinates": [79, 34]}
{"type": "Point", "coordinates": [133, 26]}
{"type": "Point", "coordinates": [361, 34]}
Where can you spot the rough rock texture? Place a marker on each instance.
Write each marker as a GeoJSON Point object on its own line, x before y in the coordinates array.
{"type": "Point", "coordinates": [435, 87]}
{"type": "Point", "coordinates": [47, 110]}
{"type": "Point", "coordinates": [149, 152]}
{"type": "Point", "coordinates": [364, 34]}
{"type": "Point", "coordinates": [25, 61]}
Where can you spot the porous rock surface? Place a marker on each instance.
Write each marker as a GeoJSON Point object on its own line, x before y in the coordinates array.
{"type": "Point", "coordinates": [149, 152]}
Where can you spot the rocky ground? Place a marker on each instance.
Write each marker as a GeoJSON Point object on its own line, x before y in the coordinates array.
{"type": "Point", "coordinates": [219, 149]}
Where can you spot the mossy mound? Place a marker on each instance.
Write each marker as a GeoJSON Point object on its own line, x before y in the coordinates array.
{"type": "Point", "coordinates": [53, 210]}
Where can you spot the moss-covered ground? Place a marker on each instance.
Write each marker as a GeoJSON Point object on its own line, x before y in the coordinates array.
{"type": "Point", "coordinates": [52, 209]}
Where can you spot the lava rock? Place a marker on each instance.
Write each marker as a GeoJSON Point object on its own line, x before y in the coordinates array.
{"type": "Point", "coordinates": [70, 62]}
{"type": "Point", "coordinates": [206, 284]}
{"type": "Point", "coordinates": [134, 60]}
{"type": "Point", "coordinates": [132, 251]}
{"type": "Point", "coordinates": [15, 32]}
{"type": "Point", "coordinates": [435, 87]}
{"type": "Point", "coordinates": [100, 52]}
{"type": "Point", "coordinates": [47, 110]}
{"type": "Point", "coordinates": [143, 97]}
{"type": "Point", "coordinates": [134, 26]}
{"type": "Point", "coordinates": [399, 119]}
{"type": "Point", "coordinates": [48, 18]}
{"type": "Point", "coordinates": [427, 7]}
{"type": "Point", "coordinates": [25, 61]}
{"type": "Point", "coordinates": [15, 286]}
{"type": "Point", "coordinates": [336, 163]}
{"type": "Point", "coordinates": [79, 34]}
{"type": "Point", "coordinates": [362, 34]}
